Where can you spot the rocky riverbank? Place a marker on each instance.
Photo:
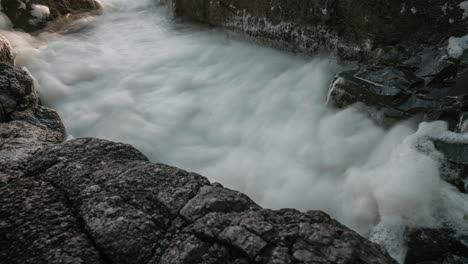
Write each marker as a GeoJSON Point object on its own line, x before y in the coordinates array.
{"type": "Point", "coordinates": [94, 201]}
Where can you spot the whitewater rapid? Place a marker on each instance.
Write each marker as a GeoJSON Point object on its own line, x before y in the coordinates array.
{"type": "Point", "coordinates": [252, 118]}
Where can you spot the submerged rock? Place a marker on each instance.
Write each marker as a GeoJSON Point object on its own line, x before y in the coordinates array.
{"type": "Point", "coordinates": [103, 202]}
{"type": "Point", "coordinates": [31, 15]}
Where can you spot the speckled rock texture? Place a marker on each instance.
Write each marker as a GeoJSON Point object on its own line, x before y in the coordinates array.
{"type": "Point", "coordinates": [25, 125]}
{"type": "Point", "coordinates": [30, 15]}
{"type": "Point", "coordinates": [349, 28]}
{"type": "Point", "coordinates": [95, 201]}
{"type": "Point", "coordinates": [17, 91]}
{"type": "Point", "coordinates": [6, 51]}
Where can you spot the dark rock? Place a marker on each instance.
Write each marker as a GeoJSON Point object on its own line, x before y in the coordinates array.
{"type": "Point", "coordinates": [44, 117]}
{"type": "Point", "coordinates": [25, 126]}
{"type": "Point", "coordinates": [436, 246]}
{"type": "Point", "coordinates": [37, 226]}
{"type": "Point", "coordinates": [427, 83]}
{"type": "Point", "coordinates": [215, 199]}
{"type": "Point", "coordinates": [454, 151]}
{"type": "Point", "coordinates": [120, 208]}
{"type": "Point", "coordinates": [22, 138]}
{"type": "Point", "coordinates": [24, 13]}
{"type": "Point", "coordinates": [17, 91]}
{"type": "Point", "coordinates": [350, 28]}
{"type": "Point", "coordinates": [455, 260]}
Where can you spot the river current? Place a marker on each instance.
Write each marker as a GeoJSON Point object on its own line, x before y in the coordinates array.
{"type": "Point", "coordinates": [253, 118]}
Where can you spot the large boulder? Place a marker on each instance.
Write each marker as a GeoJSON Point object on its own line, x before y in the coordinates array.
{"type": "Point", "coordinates": [95, 201]}
{"type": "Point", "coordinates": [350, 28]}
{"type": "Point", "coordinates": [31, 15]}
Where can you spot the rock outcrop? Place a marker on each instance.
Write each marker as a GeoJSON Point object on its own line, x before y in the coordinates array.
{"type": "Point", "coordinates": [406, 83]}
{"type": "Point", "coordinates": [95, 201]}
{"type": "Point", "coordinates": [31, 15]}
{"type": "Point", "coordinates": [349, 28]}
{"type": "Point", "coordinates": [17, 91]}
{"type": "Point", "coordinates": [25, 125]}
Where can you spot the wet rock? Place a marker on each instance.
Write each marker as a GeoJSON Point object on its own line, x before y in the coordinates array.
{"type": "Point", "coordinates": [17, 91]}
{"type": "Point", "coordinates": [31, 15]}
{"type": "Point", "coordinates": [350, 28]}
{"type": "Point", "coordinates": [114, 206]}
{"type": "Point", "coordinates": [428, 83]}
{"type": "Point", "coordinates": [454, 151]}
{"type": "Point", "coordinates": [436, 246]}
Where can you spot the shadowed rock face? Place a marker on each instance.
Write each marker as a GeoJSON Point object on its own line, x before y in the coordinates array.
{"type": "Point", "coordinates": [25, 126]}
{"type": "Point", "coordinates": [347, 27]}
{"type": "Point", "coordinates": [25, 15]}
{"type": "Point", "coordinates": [424, 82]}
{"type": "Point", "coordinates": [17, 91]}
{"type": "Point", "coordinates": [103, 202]}
{"type": "Point", "coordinates": [436, 246]}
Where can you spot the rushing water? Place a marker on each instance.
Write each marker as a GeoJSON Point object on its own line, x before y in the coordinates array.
{"type": "Point", "coordinates": [252, 118]}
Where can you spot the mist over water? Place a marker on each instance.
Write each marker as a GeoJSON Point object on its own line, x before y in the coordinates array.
{"type": "Point", "coordinates": [252, 118]}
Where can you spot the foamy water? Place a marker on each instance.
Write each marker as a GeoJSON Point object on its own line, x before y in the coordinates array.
{"type": "Point", "coordinates": [252, 118]}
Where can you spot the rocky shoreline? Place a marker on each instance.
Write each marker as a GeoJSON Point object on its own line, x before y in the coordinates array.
{"type": "Point", "coordinates": [95, 201]}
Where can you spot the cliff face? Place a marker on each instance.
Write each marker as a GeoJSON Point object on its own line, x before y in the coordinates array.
{"type": "Point", "coordinates": [350, 29]}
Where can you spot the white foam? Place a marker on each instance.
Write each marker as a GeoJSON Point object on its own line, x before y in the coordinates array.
{"type": "Point", "coordinates": [457, 46]}
{"type": "Point", "coordinates": [40, 11]}
{"type": "Point", "coordinates": [464, 6]}
{"type": "Point", "coordinates": [40, 14]}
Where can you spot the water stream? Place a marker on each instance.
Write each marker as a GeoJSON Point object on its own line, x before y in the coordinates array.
{"type": "Point", "coordinates": [252, 118]}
